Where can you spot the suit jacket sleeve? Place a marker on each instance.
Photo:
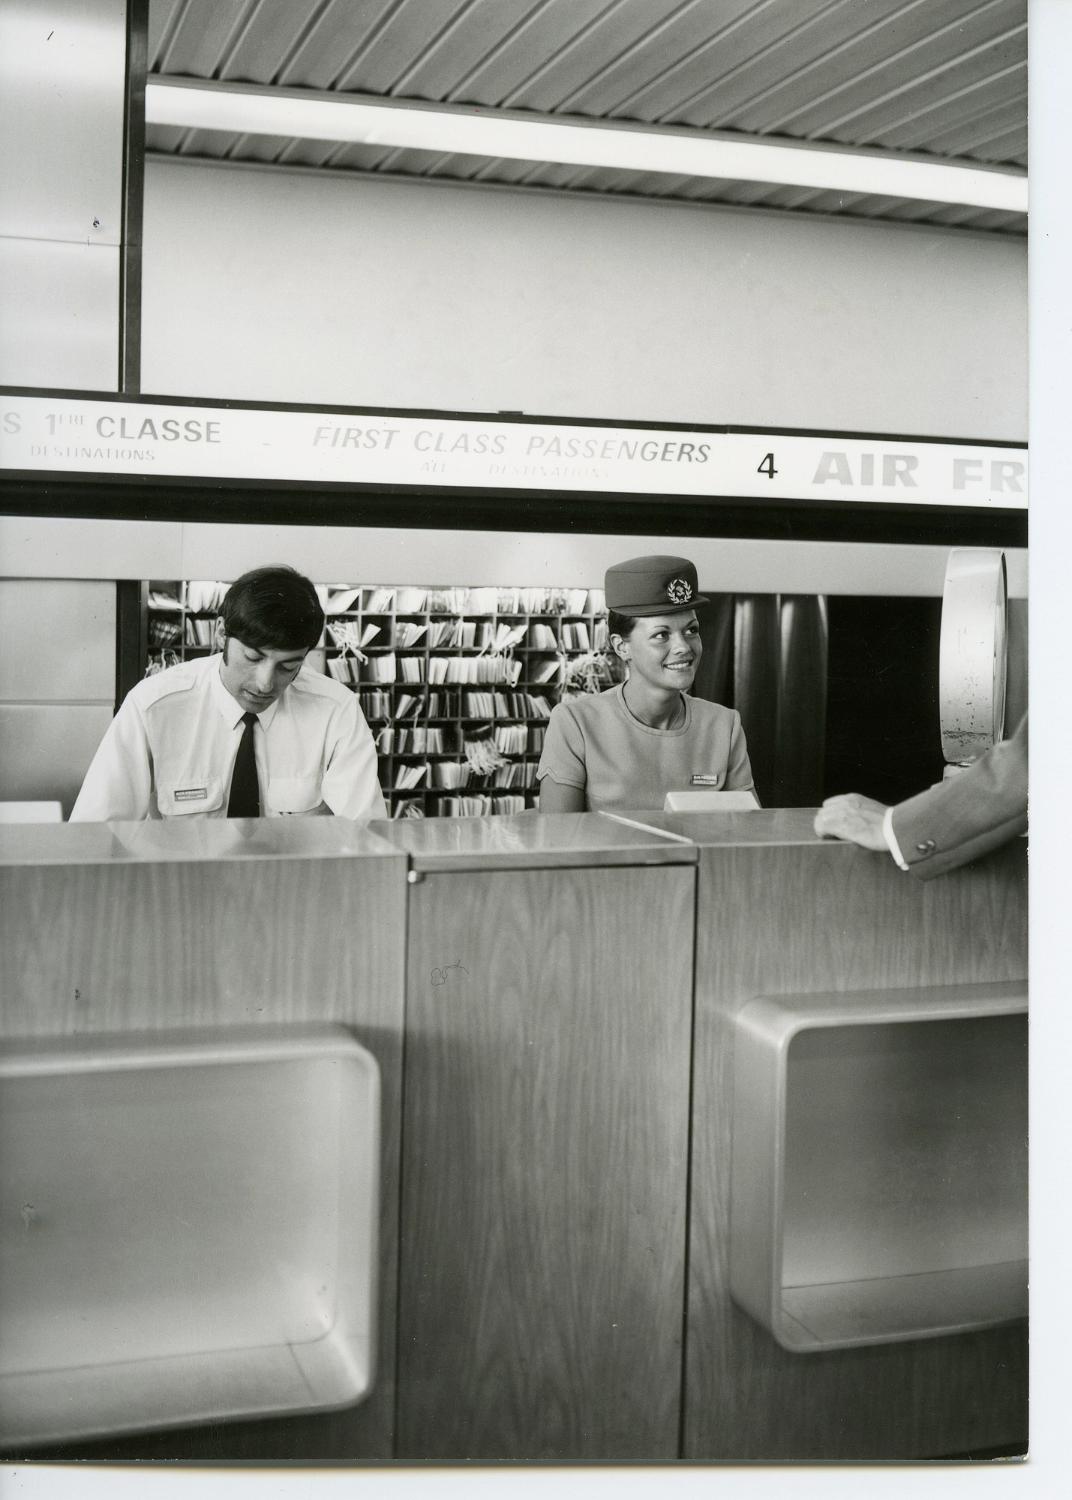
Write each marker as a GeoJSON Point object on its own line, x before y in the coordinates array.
{"type": "Point", "coordinates": [975, 811]}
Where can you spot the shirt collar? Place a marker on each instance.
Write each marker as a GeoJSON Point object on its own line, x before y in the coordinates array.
{"type": "Point", "coordinates": [230, 710]}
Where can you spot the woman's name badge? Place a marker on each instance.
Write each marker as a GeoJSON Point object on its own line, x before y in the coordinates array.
{"type": "Point", "coordinates": [191, 793]}
{"type": "Point", "coordinates": [698, 779]}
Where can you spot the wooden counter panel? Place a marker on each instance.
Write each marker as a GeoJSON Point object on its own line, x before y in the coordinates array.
{"type": "Point", "coordinates": [544, 1164]}
{"type": "Point", "coordinates": [832, 917]}
{"type": "Point", "coordinates": [224, 943]}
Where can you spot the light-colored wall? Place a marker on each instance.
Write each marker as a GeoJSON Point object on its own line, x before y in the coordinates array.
{"type": "Point", "coordinates": [62, 94]}
{"type": "Point", "coordinates": [33, 547]}
{"type": "Point", "coordinates": [291, 285]}
{"type": "Point", "coordinates": [57, 684]}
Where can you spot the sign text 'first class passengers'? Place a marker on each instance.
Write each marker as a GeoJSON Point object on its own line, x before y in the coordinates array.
{"type": "Point", "coordinates": [53, 434]}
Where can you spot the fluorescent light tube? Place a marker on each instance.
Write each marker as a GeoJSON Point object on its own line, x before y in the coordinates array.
{"type": "Point", "coordinates": [252, 109]}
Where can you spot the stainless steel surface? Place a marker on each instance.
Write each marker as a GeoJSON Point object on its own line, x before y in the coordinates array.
{"type": "Point", "coordinates": [196, 1229]}
{"type": "Point", "coordinates": [879, 1176]}
{"type": "Point", "coordinates": [183, 840]}
{"type": "Point", "coordinates": [760, 825]}
{"type": "Point", "coordinates": [942, 77]}
{"type": "Point", "coordinates": [531, 840]}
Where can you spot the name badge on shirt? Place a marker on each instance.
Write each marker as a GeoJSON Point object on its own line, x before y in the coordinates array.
{"type": "Point", "coordinates": [699, 779]}
{"type": "Point", "coordinates": [190, 793]}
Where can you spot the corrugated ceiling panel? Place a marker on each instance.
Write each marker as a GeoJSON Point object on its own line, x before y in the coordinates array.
{"type": "Point", "coordinates": [554, 175]}
{"type": "Point", "coordinates": [547, 36]}
{"type": "Point", "coordinates": [161, 17]}
{"type": "Point", "coordinates": [976, 134]}
{"type": "Point", "coordinates": [875, 46]}
{"type": "Point", "coordinates": [480, 169]}
{"type": "Point", "coordinates": [657, 32]}
{"type": "Point", "coordinates": [197, 38]}
{"type": "Point", "coordinates": [333, 40]}
{"type": "Point", "coordinates": [859, 108]}
{"type": "Point", "coordinates": [686, 71]}
{"type": "Point", "coordinates": [802, 63]}
{"type": "Point", "coordinates": [262, 148]}
{"type": "Point", "coordinates": [307, 153]}
{"type": "Point", "coordinates": [631, 60]}
{"type": "Point", "coordinates": [211, 143]}
{"type": "Point", "coordinates": [358, 158]}
{"type": "Point", "coordinates": [940, 76]}
{"type": "Point", "coordinates": [271, 34]}
{"type": "Point", "coordinates": [1006, 222]}
{"type": "Point", "coordinates": [1008, 147]}
{"type": "Point", "coordinates": [478, 45]}
{"type": "Point", "coordinates": [165, 139]}
{"type": "Point", "coordinates": [406, 31]}
{"type": "Point", "coordinates": [409, 162]}
{"type": "Point", "coordinates": [761, 79]}
{"type": "Point", "coordinates": [1006, 89]}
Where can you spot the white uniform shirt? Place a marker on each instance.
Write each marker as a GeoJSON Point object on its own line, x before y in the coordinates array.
{"type": "Point", "coordinates": [170, 751]}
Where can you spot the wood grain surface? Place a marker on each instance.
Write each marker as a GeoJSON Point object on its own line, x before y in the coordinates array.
{"type": "Point", "coordinates": [833, 918]}
{"type": "Point", "coordinates": [149, 946]}
{"type": "Point", "coordinates": [544, 1164]}
{"type": "Point", "coordinates": [540, 1289]}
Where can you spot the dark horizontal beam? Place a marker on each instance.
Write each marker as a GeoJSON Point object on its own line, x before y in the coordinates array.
{"type": "Point", "coordinates": [281, 503]}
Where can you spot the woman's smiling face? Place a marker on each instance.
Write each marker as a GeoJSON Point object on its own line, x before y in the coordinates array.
{"type": "Point", "coordinates": [663, 650]}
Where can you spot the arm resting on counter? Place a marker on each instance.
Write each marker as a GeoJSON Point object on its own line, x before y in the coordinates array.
{"type": "Point", "coordinates": [951, 823]}
{"type": "Point", "coordinates": [852, 817]}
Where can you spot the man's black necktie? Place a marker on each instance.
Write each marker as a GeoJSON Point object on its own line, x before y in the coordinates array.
{"type": "Point", "coordinates": [245, 798]}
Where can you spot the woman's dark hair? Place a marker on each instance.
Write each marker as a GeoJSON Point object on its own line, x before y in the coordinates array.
{"type": "Point", "coordinates": [273, 609]}
{"type": "Point", "coordinates": [618, 624]}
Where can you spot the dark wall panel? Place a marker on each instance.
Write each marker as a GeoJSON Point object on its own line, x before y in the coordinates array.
{"type": "Point", "coordinates": [882, 721]}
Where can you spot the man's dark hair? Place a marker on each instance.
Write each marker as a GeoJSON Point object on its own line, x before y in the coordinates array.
{"type": "Point", "coordinates": [272, 609]}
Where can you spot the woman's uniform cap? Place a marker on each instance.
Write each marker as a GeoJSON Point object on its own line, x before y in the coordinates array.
{"type": "Point", "coordinates": [652, 586]}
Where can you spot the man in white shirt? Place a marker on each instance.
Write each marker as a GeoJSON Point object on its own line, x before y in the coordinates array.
{"type": "Point", "coordinates": [248, 732]}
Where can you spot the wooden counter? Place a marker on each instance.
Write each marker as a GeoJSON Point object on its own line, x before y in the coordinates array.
{"type": "Point", "coordinates": [545, 1139]}
{"type": "Point", "coordinates": [557, 1158]}
{"type": "Point", "coordinates": [785, 913]}
{"type": "Point", "coordinates": [146, 927]}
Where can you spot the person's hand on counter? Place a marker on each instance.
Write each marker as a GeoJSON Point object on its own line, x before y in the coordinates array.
{"type": "Point", "coordinates": [978, 808]}
{"type": "Point", "coordinates": [853, 817]}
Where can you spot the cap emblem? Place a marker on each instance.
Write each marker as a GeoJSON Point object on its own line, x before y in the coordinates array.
{"type": "Point", "coordinates": [679, 591]}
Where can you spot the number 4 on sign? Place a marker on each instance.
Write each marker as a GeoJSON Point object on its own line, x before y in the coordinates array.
{"type": "Point", "coordinates": [766, 466]}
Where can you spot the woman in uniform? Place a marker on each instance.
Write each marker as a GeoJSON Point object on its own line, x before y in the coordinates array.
{"type": "Point", "coordinates": [624, 749]}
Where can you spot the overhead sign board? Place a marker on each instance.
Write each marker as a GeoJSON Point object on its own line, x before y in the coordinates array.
{"type": "Point", "coordinates": [155, 439]}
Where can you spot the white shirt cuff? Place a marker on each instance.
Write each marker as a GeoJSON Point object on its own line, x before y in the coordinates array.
{"type": "Point", "coordinates": [891, 839]}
